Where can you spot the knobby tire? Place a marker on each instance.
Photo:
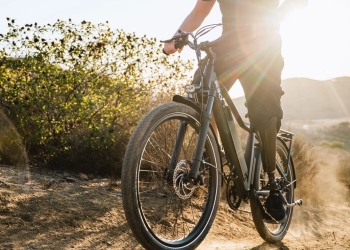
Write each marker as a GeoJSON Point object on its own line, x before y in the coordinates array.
{"type": "Point", "coordinates": [165, 213]}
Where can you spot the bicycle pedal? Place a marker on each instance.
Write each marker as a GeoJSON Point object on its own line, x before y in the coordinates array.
{"type": "Point", "coordinates": [297, 202]}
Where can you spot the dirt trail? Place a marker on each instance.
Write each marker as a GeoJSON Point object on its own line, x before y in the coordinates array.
{"type": "Point", "coordinates": [56, 211]}
{"type": "Point", "coordinates": [323, 222]}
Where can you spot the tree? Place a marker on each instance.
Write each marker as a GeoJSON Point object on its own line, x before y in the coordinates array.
{"type": "Point", "coordinates": [75, 91]}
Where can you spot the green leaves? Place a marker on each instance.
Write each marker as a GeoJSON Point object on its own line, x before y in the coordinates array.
{"type": "Point", "coordinates": [68, 85]}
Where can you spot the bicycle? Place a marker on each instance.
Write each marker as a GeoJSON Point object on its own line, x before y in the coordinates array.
{"type": "Point", "coordinates": [173, 167]}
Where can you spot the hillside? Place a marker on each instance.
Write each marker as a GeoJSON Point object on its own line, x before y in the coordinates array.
{"type": "Point", "coordinates": [307, 99]}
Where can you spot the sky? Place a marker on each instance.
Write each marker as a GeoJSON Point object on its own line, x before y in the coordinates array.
{"type": "Point", "coordinates": [316, 40]}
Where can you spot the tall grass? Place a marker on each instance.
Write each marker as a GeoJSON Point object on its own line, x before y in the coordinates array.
{"type": "Point", "coordinates": [343, 172]}
{"type": "Point", "coordinates": [306, 168]}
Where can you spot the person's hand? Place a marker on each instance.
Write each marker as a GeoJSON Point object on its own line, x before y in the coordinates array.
{"type": "Point", "coordinates": [169, 48]}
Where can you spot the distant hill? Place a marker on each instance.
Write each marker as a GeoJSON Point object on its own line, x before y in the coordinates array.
{"type": "Point", "coordinates": [307, 99]}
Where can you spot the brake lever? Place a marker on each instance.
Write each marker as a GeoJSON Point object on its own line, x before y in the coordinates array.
{"type": "Point", "coordinates": [180, 41]}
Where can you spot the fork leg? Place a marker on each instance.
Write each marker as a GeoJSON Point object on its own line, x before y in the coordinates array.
{"type": "Point", "coordinates": [176, 150]}
{"type": "Point", "coordinates": [205, 123]}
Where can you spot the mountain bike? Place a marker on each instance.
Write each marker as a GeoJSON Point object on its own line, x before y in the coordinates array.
{"type": "Point", "coordinates": [174, 167]}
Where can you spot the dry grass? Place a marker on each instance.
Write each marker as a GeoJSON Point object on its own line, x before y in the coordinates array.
{"type": "Point", "coordinates": [304, 158]}
{"type": "Point", "coordinates": [343, 171]}
{"type": "Point", "coordinates": [306, 167]}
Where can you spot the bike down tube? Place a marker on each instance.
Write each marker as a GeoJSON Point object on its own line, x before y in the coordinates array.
{"type": "Point", "coordinates": [230, 141]}
{"type": "Point", "coordinates": [250, 148]}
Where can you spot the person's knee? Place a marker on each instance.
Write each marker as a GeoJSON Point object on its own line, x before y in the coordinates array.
{"type": "Point", "coordinates": [262, 123]}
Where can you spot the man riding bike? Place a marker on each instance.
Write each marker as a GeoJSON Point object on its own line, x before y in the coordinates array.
{"type": "Point", "coordinates": [253, 56]}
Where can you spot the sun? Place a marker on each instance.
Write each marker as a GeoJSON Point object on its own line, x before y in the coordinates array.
{"type": "Point", "coordinates": [314, 36]}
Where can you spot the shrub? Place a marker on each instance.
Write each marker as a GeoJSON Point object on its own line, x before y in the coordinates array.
{"type": "Point", "coordinates": [340, 133]}
{"type": "Point", "coordinates": [12, 151]}
{"type": "Point", "coordinates": [334, 144]}
{"type": "Point", "coordinates": [75, 91]}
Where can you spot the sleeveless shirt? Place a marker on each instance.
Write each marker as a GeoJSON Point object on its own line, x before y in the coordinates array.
{"type": "Point", "coordinates": [247, 11]}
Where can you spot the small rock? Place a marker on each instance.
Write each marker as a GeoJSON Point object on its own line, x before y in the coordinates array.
{"type": "Point", "coordinates": [91, 176]}
{"type": "Point", "coordinates": [66, 174]}
{"type": "Point", "coordinates": [70, 179]}
{"type": "Point", "coordinates": [83, 177]}
{"type": "Point", "coordinates": [27, 217]}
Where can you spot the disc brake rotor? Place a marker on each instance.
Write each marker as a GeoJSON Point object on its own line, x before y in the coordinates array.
{"type": "Point", "coordinates": [182, 189]}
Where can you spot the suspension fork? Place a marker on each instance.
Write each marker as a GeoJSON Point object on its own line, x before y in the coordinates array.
{"type": "Point", "coordinates": [206, 116]}
{"type": "Point", "coordinates": [203, 131]}
{"type": "Point", "coordinates": [176, 149]}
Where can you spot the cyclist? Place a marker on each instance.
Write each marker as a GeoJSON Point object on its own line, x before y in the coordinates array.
{"type": "Point", "coordinates": [252, 55]}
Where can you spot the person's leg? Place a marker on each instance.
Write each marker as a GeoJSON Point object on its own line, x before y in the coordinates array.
{"type": "Point", "coordinates": [262, 87]}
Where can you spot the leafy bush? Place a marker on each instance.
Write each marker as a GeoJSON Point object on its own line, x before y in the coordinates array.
{"type": "Point", "coordinates": [75, 91]}
{"type": "Point", "coordinates": [333, 144]}
{"type": "Point", "coordinates": [340, 133]}
{"type": "Point", "coordinates": [12, 151]}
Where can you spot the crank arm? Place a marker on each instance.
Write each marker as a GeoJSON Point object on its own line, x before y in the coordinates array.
{"type": "Point", "coordinates": [293, 204]}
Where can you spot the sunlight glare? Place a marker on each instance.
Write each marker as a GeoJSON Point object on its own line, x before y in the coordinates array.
{"type": "Point", "coordinates": [313, 37]}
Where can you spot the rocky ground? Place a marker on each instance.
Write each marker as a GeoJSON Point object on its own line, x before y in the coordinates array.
{"type": "Point", "coordinates": [44, 209]}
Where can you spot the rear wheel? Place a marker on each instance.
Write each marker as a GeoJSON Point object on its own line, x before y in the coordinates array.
{"type": "Point", "coordinates": [273, 232]}
{"type": "Point", "coordinates": [162, 210]}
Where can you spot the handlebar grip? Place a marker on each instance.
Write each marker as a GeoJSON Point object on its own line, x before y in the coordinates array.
{"type": "Point", "coordinates": [165, 52]}
{"type": "Point", "coordinates": [180, 41]}
{"type": "Point", "coordinates": [177, 45]}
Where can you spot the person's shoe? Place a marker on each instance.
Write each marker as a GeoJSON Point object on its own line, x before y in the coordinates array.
{"type": "Point", "coordinates": [274, 208]}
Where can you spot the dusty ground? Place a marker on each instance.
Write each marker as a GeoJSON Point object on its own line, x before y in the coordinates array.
{"type": "Point", "coordinates": [41, 209]}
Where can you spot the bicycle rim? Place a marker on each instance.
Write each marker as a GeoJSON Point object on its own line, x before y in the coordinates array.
{"type": "Point", "coordinates": [281, 158]}
{"type": "Point", "coordinates": [173, 214]}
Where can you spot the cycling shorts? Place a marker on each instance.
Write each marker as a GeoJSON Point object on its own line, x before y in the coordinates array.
{"type": "Point", "coordinates": [257, 63]}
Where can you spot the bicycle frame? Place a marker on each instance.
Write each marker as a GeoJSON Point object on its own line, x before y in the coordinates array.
{"type": "Point", "coordinates": [177, 212]}
{"type": "Point", "coordinates": [242, 164]}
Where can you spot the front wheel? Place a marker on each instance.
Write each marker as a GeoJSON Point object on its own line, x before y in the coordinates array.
{"type": "Point", "coordinates": [162, 210]}
{"type": "Point", "coordinates": [273, 232]}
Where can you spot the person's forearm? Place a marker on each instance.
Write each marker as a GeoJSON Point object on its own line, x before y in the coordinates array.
{"type": "Point", "coordinates": [191, 23]}
{"type": "Point", "coordinates": [197, 16]}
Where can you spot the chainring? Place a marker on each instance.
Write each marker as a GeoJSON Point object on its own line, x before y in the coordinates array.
{"type": "Point", "coordinates": [233, 200]}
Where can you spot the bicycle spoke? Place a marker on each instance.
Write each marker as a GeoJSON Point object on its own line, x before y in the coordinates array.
{"type": "Point", "coordinates": [172, 212]}
{"type": "Point", "coordinates": [154, 142]}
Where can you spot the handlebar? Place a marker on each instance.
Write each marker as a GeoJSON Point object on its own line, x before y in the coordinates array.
{"type": "Point", "coordinates": [182, 40]}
